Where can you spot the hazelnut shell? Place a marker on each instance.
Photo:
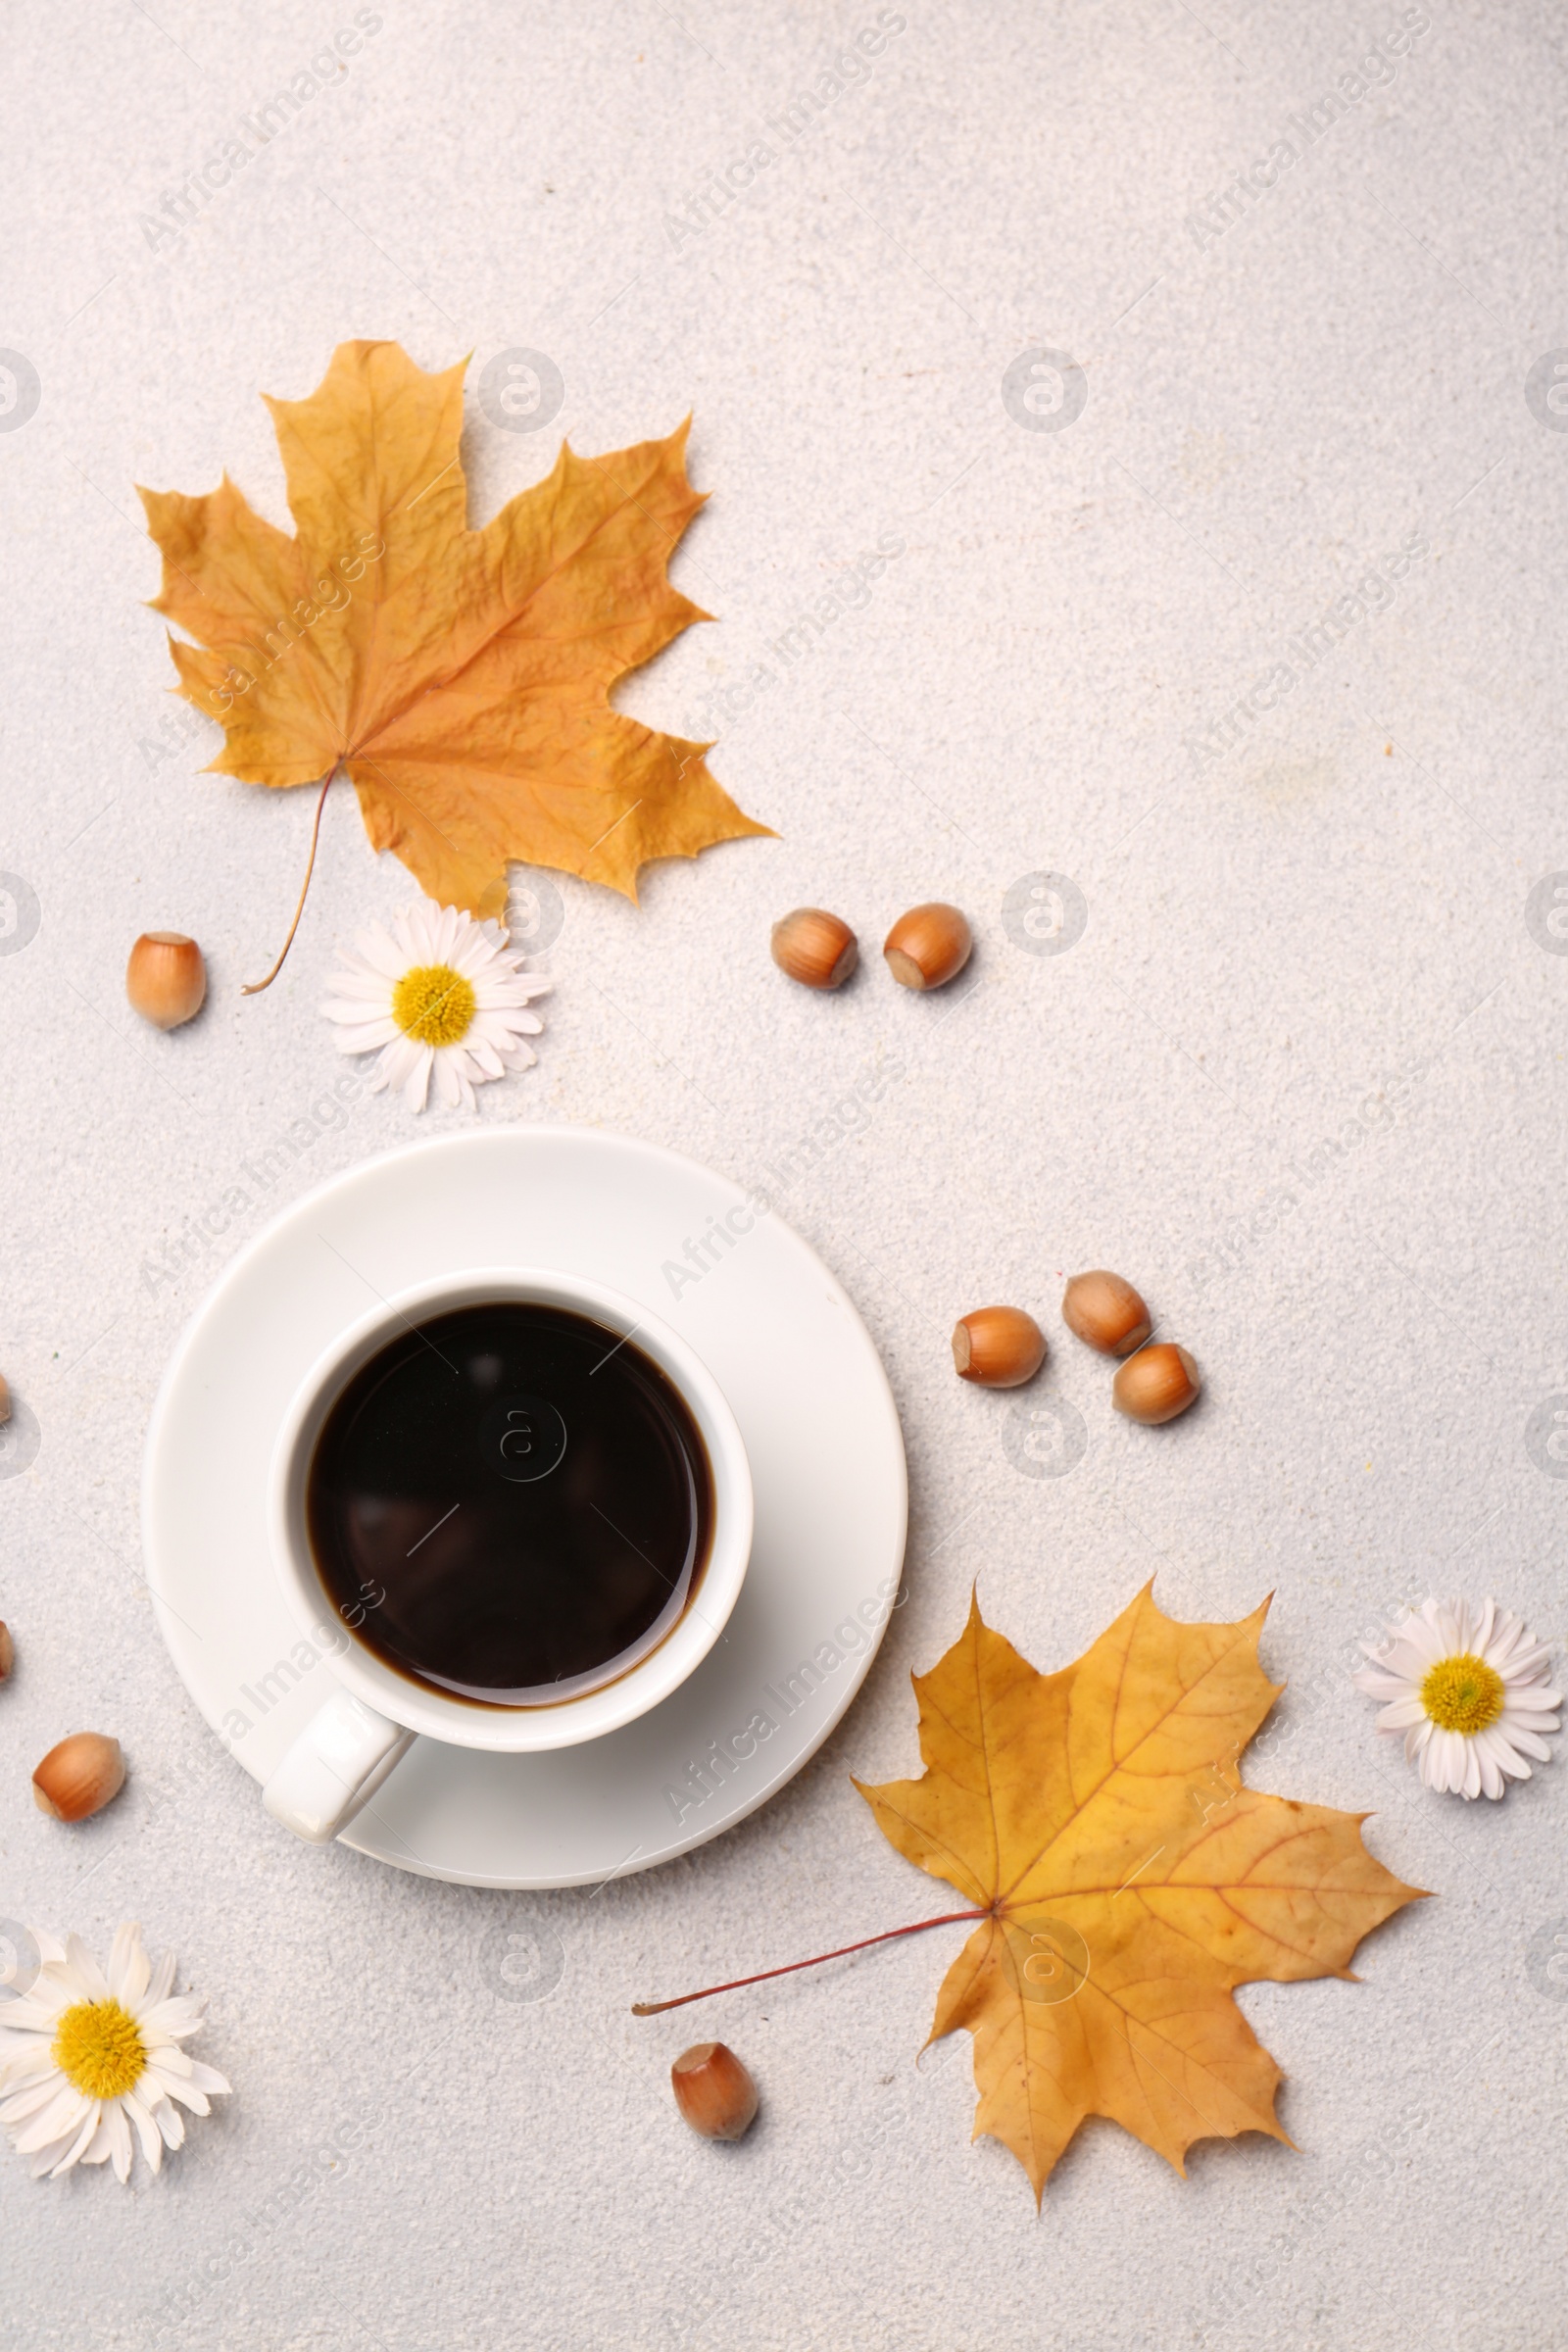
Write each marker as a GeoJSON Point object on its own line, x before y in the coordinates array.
{"type": "Point", "coordinates": [929, 946]}
{"type": "Point", "coordinates": [998, 1346]}
{"type": "Point", "coordinates": [714, 2091]}
{"type": "Point", "coordinates": [1106, 1311]}
{"type": "Point", "coordinates": [1155, 1384]}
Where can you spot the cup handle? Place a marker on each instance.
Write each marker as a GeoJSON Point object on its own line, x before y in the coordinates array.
{"type": "Point", "coordinates": [337, 1764]}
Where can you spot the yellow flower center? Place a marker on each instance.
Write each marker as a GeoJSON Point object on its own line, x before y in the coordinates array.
{"type": "Point", "coordinates": [98, 2048]}
{"type": "Point", "coordinates": [434, 1003]}
{"type": "Point", "coordinates": [1462, 1693]}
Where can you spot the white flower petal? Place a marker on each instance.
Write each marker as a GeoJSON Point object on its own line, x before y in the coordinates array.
{"type": "Point", "coordinates": [170, 2020]}
{"type": "Point", "coordinates": [1448, 1623]}
{"type": "Point", "coordinates": [27, 2102]}
{"type": "Point", "coordinates": [360, 988]}
{"type": "Point", "coordinates": [1524, 1665]}
{"type": "Point", "coordinates": [380, 952]}
{"type": "Point", "coordinates": [1494, 1743]}
{"type": "Point", "coordinates": [1422, 1638]}
{"type": "Point", "coordinates": [185, 2092]}
{"type": "Point", "coordinates": [79, 2149]}
{"type": "Point", "coordinates": [1383, 1685]}
{"type": "Point", "coordinates": [397, 1060]}
{"type": "Point", "coordinates": [39, 2009]}
{"type": "Point", "coordinates": [473, 959]}
{"type": "Point", "coordinates": [361, 1024]}
{"type": "Point", "coordinates": [129, 1970]}
{"type": "Point", "coordinates": [84, 1969]}
{"type": "Point", "coordinates": [26, 2067]}
{"type": "Point", "coordinates": [1459, 1757]}
{"type": "Point", "coordinates": [63, 2114]}
{"type": "Point", "coordinates": [1404, 1659]}
{"type": "Point", "coordinates": [120, 2140]}
{"type": "Point", "coordinates": [147, 2132]}
{"type": "Point", "coordinates": [515, 989]}
{"type": "Point", "coordinates": [416, 1086]}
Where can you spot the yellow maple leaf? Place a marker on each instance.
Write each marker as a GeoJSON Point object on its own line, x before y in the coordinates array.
{"type": "Point", "coordinates": [460, 677]}
{"type": "Point", "coordinates": [1129, 1879]}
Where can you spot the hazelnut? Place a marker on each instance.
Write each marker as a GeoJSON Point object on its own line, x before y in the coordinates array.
{"type": "Point", "coordinates": [815, 948]}
{"type": "Point", "coordinates": [5, 1400]}
{"type": "Point", "coordinates": [998, 1346]}
{"type": "Point", "coordinates": [714, 2091]}
{"type": "Point", "coordinates": [928, 947]}
{"type": "Point", "coordinates": [1155, 1384]}
{"type": "Point", "coordinates": [1106, 1311]}
{"type": "Point", "coordinates": [166, 978]}
{"type": "Point", "coordinates": [79, 1777]}
{"type": "Point", "coordinates": [8, 1652]}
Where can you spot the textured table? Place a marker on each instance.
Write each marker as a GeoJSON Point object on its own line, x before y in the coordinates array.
{"type": "Point", "coordinates": [1201, 377]}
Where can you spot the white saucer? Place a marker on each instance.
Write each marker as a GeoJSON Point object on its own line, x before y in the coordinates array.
{"type": "Point", "coordinates": [805, 1384]}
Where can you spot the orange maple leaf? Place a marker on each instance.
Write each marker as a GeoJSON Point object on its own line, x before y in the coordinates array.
{"type": "Point", "coordinates": [1129, 1879]}
{"type": "Point", "coordinates": [460, 677]}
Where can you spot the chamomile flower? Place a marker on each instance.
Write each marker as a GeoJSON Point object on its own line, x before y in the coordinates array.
{"type": "Point", "coordinates": [1469, 1691]}
{"type": "Point", "coordinates": [438, 994]}
{"type": "Point", "coordinates": [88, 2055]}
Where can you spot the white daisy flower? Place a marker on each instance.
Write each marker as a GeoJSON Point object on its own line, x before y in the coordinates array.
{"type": "Point", "coordinates": [1470, 1690]}
{"type": "Point", "coordinates": [86, 2055]}
{"type": "Point", "coordinates": [438, 993]}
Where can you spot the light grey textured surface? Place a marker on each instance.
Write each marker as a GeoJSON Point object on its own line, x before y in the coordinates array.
{"type": "Point", "coordinates": [1301, 1078]}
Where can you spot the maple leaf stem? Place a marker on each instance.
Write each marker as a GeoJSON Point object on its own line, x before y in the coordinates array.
{"type": "Point", "coordinates": [255, 986]}
{"type": "Point", "coordinates": [919, 1927]}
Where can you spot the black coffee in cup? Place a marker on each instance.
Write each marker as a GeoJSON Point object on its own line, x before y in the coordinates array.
{"type": "Point", "coordinates": [510, 1503]}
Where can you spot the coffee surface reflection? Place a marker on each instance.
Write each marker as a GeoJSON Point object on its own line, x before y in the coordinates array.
{"type": "Point", "coordinates": [527, 1490]}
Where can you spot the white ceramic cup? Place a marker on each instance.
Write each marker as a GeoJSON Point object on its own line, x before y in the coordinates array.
{"type": "Point", "coordinates": [355, 1738]}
